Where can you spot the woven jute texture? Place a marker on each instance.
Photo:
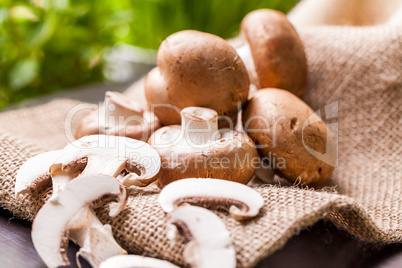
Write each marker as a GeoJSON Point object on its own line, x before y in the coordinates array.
{"type": "Point", "coordinates": [360, 68]}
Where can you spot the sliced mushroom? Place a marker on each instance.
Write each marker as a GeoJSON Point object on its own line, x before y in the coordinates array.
{"type": "Point", "coordinates": [196, 69]}
{"type": "Point", "coordinates": [133, 162]}
{"type": "Point", "coordinates": [108, 155]}
{"type": "Point", "coordinates": [241, 201]}
{"type": "Point", "coordinates": [34, 175]}
{"type": "Point", "coordinates": [96, 240]}
{"type": "Point", "coordinates": [133, 261]}
{"type": "Point", "coordinates": [119, 116]}
{"type": "Point", "coordinates": [210, 244]}
{"type": "Point", "coordinates": [100, 154]}
{"type": "Point", "coordinates": [85, 228]}
{"type": "Point", "coordinates": [50, 227]}
{"type": "Point", "coordinates": [198, 149]}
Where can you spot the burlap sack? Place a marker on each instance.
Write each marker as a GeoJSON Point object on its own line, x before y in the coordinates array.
{"type": "Point", "coordinates": [357, 67]}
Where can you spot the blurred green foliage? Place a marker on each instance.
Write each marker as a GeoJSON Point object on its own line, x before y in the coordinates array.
{"type": "Point", "coordinates": [49, 45]}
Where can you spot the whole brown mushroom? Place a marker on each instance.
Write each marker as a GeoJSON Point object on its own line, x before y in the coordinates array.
{"type": "Point", "coordinates": [196, 69]}
{"type": "Point", "coordinates": [198, 149]}
{"type": "Point", "coordinates": [291, 136]}
{"type": "Point", "coordinates": [273, 51]}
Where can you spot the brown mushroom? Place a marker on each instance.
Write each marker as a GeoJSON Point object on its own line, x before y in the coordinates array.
{"type": "Point", "coordinates": [198, 149]}
{"type": "Point", "coordinates": [291, 136]}
{"type": "Point", "coordinates": [196, 69]}
{"type": "Point", "coordinates": [273, 52]}
{"type": "Point", "coordinates": [118, 116]}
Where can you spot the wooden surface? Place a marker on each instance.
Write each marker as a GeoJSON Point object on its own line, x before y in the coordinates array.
{"type": "Point", "coordinates": [322, 245]}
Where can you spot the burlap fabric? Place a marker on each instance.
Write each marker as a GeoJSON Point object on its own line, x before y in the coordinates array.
{"type": "Point", "coordinates": [359, 67]}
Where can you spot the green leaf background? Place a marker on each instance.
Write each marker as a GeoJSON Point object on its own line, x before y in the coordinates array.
{"type": "Point", "coordinates": [52, 45]}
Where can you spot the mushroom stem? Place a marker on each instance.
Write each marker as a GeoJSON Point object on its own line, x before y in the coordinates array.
{"type": "Point", "coordinates": [200, 125]}
{"type": "Point", "coordinates": [96, 240]}
{"type": "Point", "coordinates": [60, 181]}
{"type": "Point", "coordinates": [86, 230]}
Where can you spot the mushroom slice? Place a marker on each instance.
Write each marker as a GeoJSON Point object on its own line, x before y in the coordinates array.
{"type": "Point", "coordinates": [50, 227]}
{"type": "Point", "coordinates": [133, 162]}
{"type": "Point", "coordinates": [96, 240]}
{"type": "Point", "coordinates": [210, 244]}
{"type": "Point", "coordinates": [134, 261]}
{"type": "Point", "coordinates": [34, 175]}
{"type": "Point", "coordinates": [241, 201]}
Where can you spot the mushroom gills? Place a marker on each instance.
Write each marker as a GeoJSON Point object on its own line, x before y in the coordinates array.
{"type": "Point", "coordinates": [34, 174]}
{"type": "Point", "coordinates": [240, 200]}
{"type": "Point", "coordinates": [114, 155]}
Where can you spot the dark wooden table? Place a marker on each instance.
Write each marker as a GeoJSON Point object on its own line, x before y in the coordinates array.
{"type": "Point", "coordinates": [322, 245]}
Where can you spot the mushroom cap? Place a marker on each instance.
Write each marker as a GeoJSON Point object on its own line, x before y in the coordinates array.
{"type": "Point", "coordinates": [240, 200]}
{"type": "Point", "coordinates": [129, 106]}
{"type": "Point", "coordinates": [130, 120]}
{"type": "Point", "coordinates": [277, 50]}
{"type": "Point", "coordinates": [134, 261]}
{"type": "Point", "coordinates": [112, 155]}
{"type": "Point", "coordinates": [89, 125]}
{"type": "Point", "coordinates": [34, 173]}
{"type": "Point", "coordinates": [50, 226]}
{"type": "Point", "coordinates": [210, 244]}
{"type": "Point", "coordinates": [294, 123]}
{"type": "Point", "coordinates": [231, 157]}
{"type": "Point", "coordinates": [196, 69]}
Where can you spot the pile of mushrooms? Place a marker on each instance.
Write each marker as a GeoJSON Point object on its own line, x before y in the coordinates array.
{"type": "Point", "coordinates": [203, 83]}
